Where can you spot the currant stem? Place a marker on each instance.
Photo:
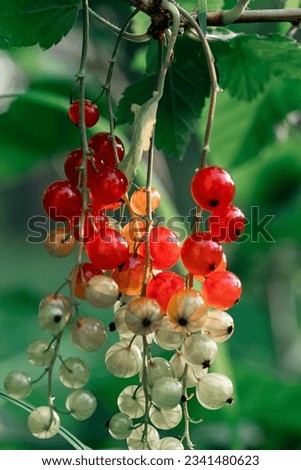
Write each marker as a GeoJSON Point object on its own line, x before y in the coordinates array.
{"type": "Point", "coordinates": [187, 418]}
{"type": "Point", "coordinates": [230, 16]}
{"type": "Point", "coordinates": [145, 388]}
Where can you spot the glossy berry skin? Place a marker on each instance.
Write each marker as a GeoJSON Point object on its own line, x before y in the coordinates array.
{"type": "Point", "coordinates": [84, 274]}
{"type": "Point", "coordinates": [200, 255]}
{"type": "Point", "coordinates": [62, 201]}
{"type": "Point", "coordinates": [227, 224]}
{"type": "Point", "coordinates": [222, 266]}
{"type": "Point", "coordinates": [134, 231]}
{"type": "Point", "coordinates": [212, 187]}
{"type": "Point", "coordinates": [108, 186]}
{"type": "Point", "coordinates": [91, 113]}
{"type": "Point", "coordinates": [164, 248]}
{"type": "Point", "coordinates": [102, 145]}
{"type": "Point", "coordinates": [95, 219]}
{"type": "Point", "coordinates": [74, 161]}
{"type": "Point", "coordinates": [222, 289]}
{"type": "Point", "coordinates": [129, 277]}
{"type": "Point", "coordinates": [163, 286]}
{"type": "Point", "coordinates": [139, 200]}
{"type": "Point", "coordinates": [108, 249]}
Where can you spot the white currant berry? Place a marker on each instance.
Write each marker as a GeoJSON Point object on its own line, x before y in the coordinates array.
{"type": "Point", "coordinates": [140, 440]}
{"type": "Point", "coordinates": [185, 311]}
{"type": "Point", "coordinates": [54, 313]}
{"type": "Point", "coordinates": [166, 336]}
{"type": "Point", "coordinates": [167, 392]}
{"type": "Point", "coordinates": [123, 360]}
{"type": "Point", "coordinates": [132, 401]}
{"type": "Point", "coordinates": [102, 291]}
{"type": "Point", "coordinates": [158, 367]}
{"type": "Point", "coordinates": [165, 419]}
{"type": "Point", "coordinates": [88, 334]}
{"type": "Point", "coordinates": [169, 443]}
{"type": "Point", "coordinates": [193, 374]}
{"type": "Point", "coordinates": [74, 372]}
{"type": "Point", "coordinates": [143, 316]}
{"type": "Point", "coordinates": [81, 404]}
{"type": "Point", "coordinates": [120, 426]}
{"type": "Point", "coordinates": [17, 384]}
{"type": "Point", "coordinates": [199, 349]}
{"type": "Point", "coordinates": [43, 422]}
{"type": "Point", "coordinates": [214, 390]}
{"type": "Point", "coordinates": [40, 353]}
{"type": "Point", "coordinates": [120, 324]}
{"type": "Point", "coordinates": [219, 325]}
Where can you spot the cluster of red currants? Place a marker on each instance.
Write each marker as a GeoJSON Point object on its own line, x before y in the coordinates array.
{"type": "Point", "coordinates": [129, 267]}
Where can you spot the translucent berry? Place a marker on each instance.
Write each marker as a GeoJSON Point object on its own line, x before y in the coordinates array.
{"type": "Point", "coordinates": [139, 441]}
{"type": "Point", "coordinates": [120, 426]}
{"type": "Point", "coordinates": [143, 316]}
{"type": "Point", "coordinates": [185, 311]}
{"type": "Point", "coordinates": [108, 249]}
{"type": "Point", "coordinates": [169, 443]}
{"type": "Point", "coordinates": [130, 276]}
{"type": "Point", "coordinates": [60, 243]}
{"type": "Point", "coordinates": [227, 224]}
{"type": "Point", "coordinates": [62, 201]}
{"type": "Point", "coordinates": [218, 325]}
{"type": "Point", "coordinates": [167, 392]}
{"type": "Point", "coordinates": [212, 187]}
{"type": "Point", "coordinates": [120, 324]}
{"type": "Point", "coordinates": [40, 353]}
{"type": "Point", "coordinates": [163, 286]}
{"type": "Point", "coordinates": [222, 289]}
{"type": "Point", "coordinates": [132, 401]}
{"type": "Point", "coordinates": [123, 359]}
{"type": "Point", "coordinates": [165, 419]}
{"type": "Point", "coordinates": [167, 337]}
{"type": "Point", "coordinates": [74, 372]}
{"type": "Point", "coordinates": [91, 113]}
{"type": "Point", "coordinates": [214, 390]}
{"type": "Point", "coordinates": [199, 350]}
{"type": "Point", "coordinates": [43, 422]}
{"type": "Point", "coordinates": [102, 291]}
{"type": "Point", "coordinates": [81, 404]}
{"type": "Point", "coordinates": [54, 313]}
{"type": "Point", "coordinates": [108, 186]}
{"type": "Point", "coordinates": [164, 248]}
{"type": "Point", "coordinates": [193, 372]}
{"type": "Point", "coordinates": [222, 266]}
{"type": "Point", "coordinates": [88, 334]}
{"type": "Point", "coordinates": [17, 384]}
{"type": "Point", "coordinates": [102, 145]}
{"type": "Point", "coordinates": [84, 273]}
{"type": "Point", "coordinates": [157, 368]}
{"type": "Point", "coordinates": [200, 255]}
{"type": "Point", "coordinates": [134, 232]}
{"type": "Point", "coordinates": [139, 198]}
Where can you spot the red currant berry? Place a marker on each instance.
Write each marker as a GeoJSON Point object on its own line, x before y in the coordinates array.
{"type": "Point", "coordinates": [94, 220]}
{"type": "Point", "coordinates": [129, 277]}
{"type": "Point", "coordinates": [91, 113]}
{"type": "Point", "coordinates": [200, 255]}
{"type": "Point", "coordinates": [73, 164]}
{"type": "Point", "coordinates": [212, 187]}
{"type": "Point", "coordinates": [164, 248]}
{"type": "Point", "coordinates": [139, 200]}
{"type": "Point", "coordinates": [62, 201]}
{"type": "Point", "coordinates": [102, 145]}
{"type": "Point", "coordinates": [222, 289]}
{"type": "Point", "coordinates": [108, 249]}
{"type": "Point", "coordinates": [227, 224]}
{"type": "Point", "coordinates": [163, 286]}
{"type": "Point", "coordinates": [108, 186]}
{"type": "Point", "coordinates": [84, 274]}
{"type": "Point", "coordinates": [222, 265]}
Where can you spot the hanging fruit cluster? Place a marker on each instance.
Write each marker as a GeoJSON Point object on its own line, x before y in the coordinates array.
{"type": "Point", "coordinates": [134, 269]}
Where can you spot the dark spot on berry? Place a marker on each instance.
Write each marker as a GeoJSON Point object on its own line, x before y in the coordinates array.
{"type": "Point", "coordinates": [212, 267]}
{"type": "Point", "coordinates": [183, 398]}
{"type": "Point", "coordinates": [237, 232]}
{"type": "Point", "coordinates": [182, 321]}
{"type": "Point", "coordinates": [236, 301]}
{"type": "Point", "coordinates": [57, 318]}
{"type": "Point", "coordinates": [230, 401]}
{"type": "Point", "coordinates": [112, 326]}
{"type": "Point", "coordinates": [206, 364]}
{"type": "Point", "coordinates": [120, 267]}
{"type": "Point", "coordinates": [230, 329]}
{"type": "Point", "coordinates": [119, 296]}
{"type": "Point", "coordinates": [213, 203]}
{"type": "Point", "coordinates": [146, 322]}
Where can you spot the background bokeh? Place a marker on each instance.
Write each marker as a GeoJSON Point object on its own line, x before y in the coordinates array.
{"type": "Point", "coordinates": [258, 142]}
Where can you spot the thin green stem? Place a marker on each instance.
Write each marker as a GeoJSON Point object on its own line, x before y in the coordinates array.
{"type": "Point", "coordinates": [187, 420]}
{"type": "Point", "coordinates": [126, 35]}
{"type": "Point", "coordinates": [230, 16]}
{"type": "Point", "coordinates": [145, 389]}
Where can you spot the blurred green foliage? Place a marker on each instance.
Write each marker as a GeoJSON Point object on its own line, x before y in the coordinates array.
{"type": "Point", "coordinates": [258, 142]}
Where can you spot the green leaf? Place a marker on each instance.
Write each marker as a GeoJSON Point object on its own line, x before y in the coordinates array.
{"type": "Point", "coordinates": [29, 22]}
{"type": "Point", "coordinates": [248, 62]}
{"type": "Point", "coordinates": [186, 88]}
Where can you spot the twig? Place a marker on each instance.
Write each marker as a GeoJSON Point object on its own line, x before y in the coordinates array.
{"type": "Point", "coordinates": [230, 16]}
